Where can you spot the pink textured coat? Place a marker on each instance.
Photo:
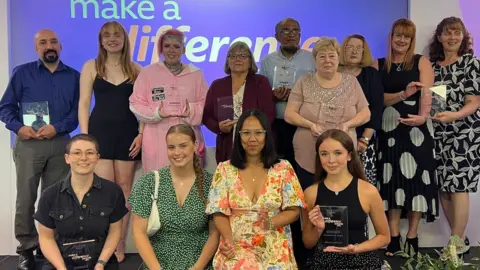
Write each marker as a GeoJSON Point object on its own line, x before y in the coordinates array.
{"type": "Point", "coordinates": [155, 84]}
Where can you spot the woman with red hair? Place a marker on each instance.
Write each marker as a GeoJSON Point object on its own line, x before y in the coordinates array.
{"type": "Point", "coordinates": [165, 94]}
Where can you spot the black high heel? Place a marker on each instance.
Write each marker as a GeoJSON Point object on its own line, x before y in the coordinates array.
{"type": "Point", "coordinates": [395, 247]}
{"type": "Point", "coordinates": [411, 246]}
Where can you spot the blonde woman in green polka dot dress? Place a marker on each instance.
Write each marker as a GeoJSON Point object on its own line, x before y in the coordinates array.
{"type": "Point", "coordinates": [187, 239]}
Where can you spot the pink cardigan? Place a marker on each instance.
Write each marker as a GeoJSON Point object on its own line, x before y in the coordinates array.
{"type": "Point", "coordinates": [154, 84]}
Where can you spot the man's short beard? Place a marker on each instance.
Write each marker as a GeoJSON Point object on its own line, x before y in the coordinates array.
{"type": "Point", "coordinates": [290, 49]}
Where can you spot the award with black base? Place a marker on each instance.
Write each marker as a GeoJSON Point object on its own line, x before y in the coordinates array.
{"type": "Point", "coordinates": [336, 226]}
{"type": "Point", "coordinates": [79, 254]}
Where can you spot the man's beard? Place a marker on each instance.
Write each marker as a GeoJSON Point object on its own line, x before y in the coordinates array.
{"type": "Point", "coordinates": [291, 49]}
{"type": "Point", "coordinates": [52, 58]}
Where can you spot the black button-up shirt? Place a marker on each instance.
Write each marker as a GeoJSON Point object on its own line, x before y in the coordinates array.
{"type": "Point", "coordinates": [59, 209]}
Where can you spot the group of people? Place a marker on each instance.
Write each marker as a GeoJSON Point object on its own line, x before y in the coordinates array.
{"type": "Point", "coordinates": [347, 131]}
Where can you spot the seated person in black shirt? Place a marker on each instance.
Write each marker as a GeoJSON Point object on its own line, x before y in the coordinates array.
{"type": "Point", "coordinates": [80, 218]}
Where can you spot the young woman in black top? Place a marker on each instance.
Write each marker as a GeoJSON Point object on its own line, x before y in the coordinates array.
{"type": "Point", "coordinates": [340, 181]}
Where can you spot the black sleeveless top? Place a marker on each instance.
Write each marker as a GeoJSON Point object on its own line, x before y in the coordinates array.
{"type": "Point", "coordinates": [112, 102]}
{"type": "Point", "coordinates": [357, 218]}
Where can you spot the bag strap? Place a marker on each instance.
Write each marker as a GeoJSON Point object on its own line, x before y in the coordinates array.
{"type": "Point", "coordinates": [157, 182]}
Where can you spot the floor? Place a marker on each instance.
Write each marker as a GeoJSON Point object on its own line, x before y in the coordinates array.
{"type": "Point", "coordinates": [133, 261]}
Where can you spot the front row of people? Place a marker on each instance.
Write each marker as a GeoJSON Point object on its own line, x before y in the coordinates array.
{"type": "Point", "coordinates": [238, 218]}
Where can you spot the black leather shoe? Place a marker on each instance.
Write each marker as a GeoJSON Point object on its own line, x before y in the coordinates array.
{"type": "Point", "coordinates": [39, 254]}
{"type": "Point", "coordinates": [26, 261]}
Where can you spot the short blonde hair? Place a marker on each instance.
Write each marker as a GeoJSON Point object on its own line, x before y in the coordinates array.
{"type": "Point", "coordinates": [325, 44]}
{"type": "Point", "coordinates": [240, 45]}
{"type": "Point", "coordinates": [367, 58]}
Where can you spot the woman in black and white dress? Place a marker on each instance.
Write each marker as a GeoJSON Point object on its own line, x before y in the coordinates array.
{"type": "Point", "coordinates": [457, 126]}
{"type": "Point", "coordinates": [405, 146]}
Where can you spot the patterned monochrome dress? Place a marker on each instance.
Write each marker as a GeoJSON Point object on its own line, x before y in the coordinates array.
{"type": "Point", "coordinates": [457, 143]}
{"type": "Point", "coordinates": [405, 156]}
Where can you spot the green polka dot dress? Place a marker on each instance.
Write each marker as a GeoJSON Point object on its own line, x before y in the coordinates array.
{"type": "Point", "coordinates": [179, 242]}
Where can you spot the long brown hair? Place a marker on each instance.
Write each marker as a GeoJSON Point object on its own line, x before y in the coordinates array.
{"type": "Point", "coordinates": [436, 47]}
{"type": "Point", "coordinates": [128, 67]}
{"type": "Point", "coordinates": [405, 27]}
{"type": "Point", "coordinates": [197, 165]}
{"type": "Point", "coordinates": [354, 166]}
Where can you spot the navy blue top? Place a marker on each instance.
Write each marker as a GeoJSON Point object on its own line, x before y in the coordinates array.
{"type": "Point", "coordinates": [33, 82]}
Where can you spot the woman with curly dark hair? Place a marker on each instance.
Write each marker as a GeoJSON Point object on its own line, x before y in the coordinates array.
{"type": "Point", "coordinates": [457, 124]}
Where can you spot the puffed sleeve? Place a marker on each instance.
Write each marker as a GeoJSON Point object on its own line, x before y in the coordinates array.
{"type": "Point", "coordinates": [43, 212]}
{"type": "Point", "coordinates": [120, 210]}
{"type": "Point", "coordinates": [218, 197]}
{"type": "Point", "coordinates": [472, 77]}
{"type": "Point", "coordinates": [292, 194]}
{"type": "Point", "coordinates": [141, 198]}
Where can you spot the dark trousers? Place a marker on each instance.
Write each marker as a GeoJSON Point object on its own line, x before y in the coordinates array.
{"type": "Point", "coordinates": [301, 253]}
{"type": "Point", "coordinates": [35, 160]}
{"type": "Point", "coordinates": [284, 133]}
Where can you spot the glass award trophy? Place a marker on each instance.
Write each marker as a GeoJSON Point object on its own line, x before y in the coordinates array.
{"type": "Point", "coordinates": [174, 103]}
{"type": "Point", "coordinates": [225, 108]}
{"type": "Point", "coordinates": [284, 77]}
{"type": "Point", "coordinates": [336, 226]}
{"type": "Point", "coordinates": [330, 116]}
{"type": "Point", "coordinates": [36, 114]}
{"type": "Point", "coordinates": [79, 254]}
{"type": "Point", "coordinates": [439, 99]}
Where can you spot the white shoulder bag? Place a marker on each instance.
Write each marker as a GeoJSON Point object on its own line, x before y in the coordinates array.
{"type": "Point", "coordinates": [154, 223]}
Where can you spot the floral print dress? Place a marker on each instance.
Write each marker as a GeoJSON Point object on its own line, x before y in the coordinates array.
{"type": "Point", "coordinates": [255, 248]}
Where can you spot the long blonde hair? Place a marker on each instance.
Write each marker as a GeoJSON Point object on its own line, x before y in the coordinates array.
{"type": "Point", "coordinates": [128, 67]}
{"type": "Point", "coordinates": [405, 27]}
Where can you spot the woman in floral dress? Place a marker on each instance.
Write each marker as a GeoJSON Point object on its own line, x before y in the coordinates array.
{"type": "Point", "coordinates": [457, 125]}
{"type": "Point", "coordinates": [254, 197]}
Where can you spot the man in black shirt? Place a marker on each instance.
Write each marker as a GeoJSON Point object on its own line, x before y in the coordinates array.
{"type": "Point", "coordinates": [80, 218]}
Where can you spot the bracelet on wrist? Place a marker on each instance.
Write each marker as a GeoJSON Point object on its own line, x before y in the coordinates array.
{"type": "Point", "coordinates": [102, 262]}
{"type": "Point", "coordinates": [140, 133]}
{"type": "Point", "coordinates": [401, 95]}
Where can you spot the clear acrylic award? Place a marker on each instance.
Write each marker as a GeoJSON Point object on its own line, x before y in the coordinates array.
{"type": "Point", "coordinates": [336, 226]}
{"type": "Point", "coordinates": [36, 114]}
{"type": "Point", "coordinates": [330, 116]}
{"type": "Point", "coordinates": [284, 77]}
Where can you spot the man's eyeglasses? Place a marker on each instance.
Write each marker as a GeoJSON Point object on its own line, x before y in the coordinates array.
{"type": "Point", "coordinates": [290, 31]}
{"type": "Point", "coordinates": [238, 56]}
{"type": "Point", "coordinates": [258, 134]}
{"type": "Point", "coordinates": [79, 154]}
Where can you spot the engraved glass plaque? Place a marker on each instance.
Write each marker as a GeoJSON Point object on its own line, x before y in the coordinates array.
{"type": "Point", "coordinates": [439, 101]}
{"type": "Point", "coordinates": [36, 114]}
{"type": "Point", "coordinates": [174, 103]}
{"type": "Point", "coordinates": [330, 116]}
{"type": "Point", "coordinates": [225, 108]}
{"type": "Point", "coordinates": [79, 254]}
{"type": "Point", "coordinates": [284, 77]}
{"type": "Point", "coordinates": [336, 226]}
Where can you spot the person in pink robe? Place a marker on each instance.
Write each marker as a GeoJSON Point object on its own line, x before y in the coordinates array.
{"type": "Point", "coordinates": [165, 94]}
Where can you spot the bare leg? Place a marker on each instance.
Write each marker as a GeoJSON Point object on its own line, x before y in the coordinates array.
{"type": "Point", "coordinates": [125, 171]}
{"type": "Point", "coordinates": [413, 221]}
{"type": "Point", "coordinates": [105, 170]}
{"type": "Point", "coordinates": [461, 210]}
{"type": "Point", "coordinates": [446, 201]}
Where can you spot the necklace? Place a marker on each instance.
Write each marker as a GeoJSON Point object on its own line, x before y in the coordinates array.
{"type": "Point", "coordinates": [175, 68]}
{"type": "Point", "coordinates": [399, 66]}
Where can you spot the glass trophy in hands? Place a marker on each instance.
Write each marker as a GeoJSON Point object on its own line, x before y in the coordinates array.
{"type": "Point", "coordinates": [336, 226]}
{"type": "Point", "coordinates": [225, 108]}
{"type": "Point", "coordinates": [330, 116]}
{"type": "Point", "coordinates": [439, 99]}
{"type": "Point", "coordinates": [284, 77]}
{"type": "Point", "coordinates": [174, 104]}
{"type": "Point", "coordinates": [36, 114]}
